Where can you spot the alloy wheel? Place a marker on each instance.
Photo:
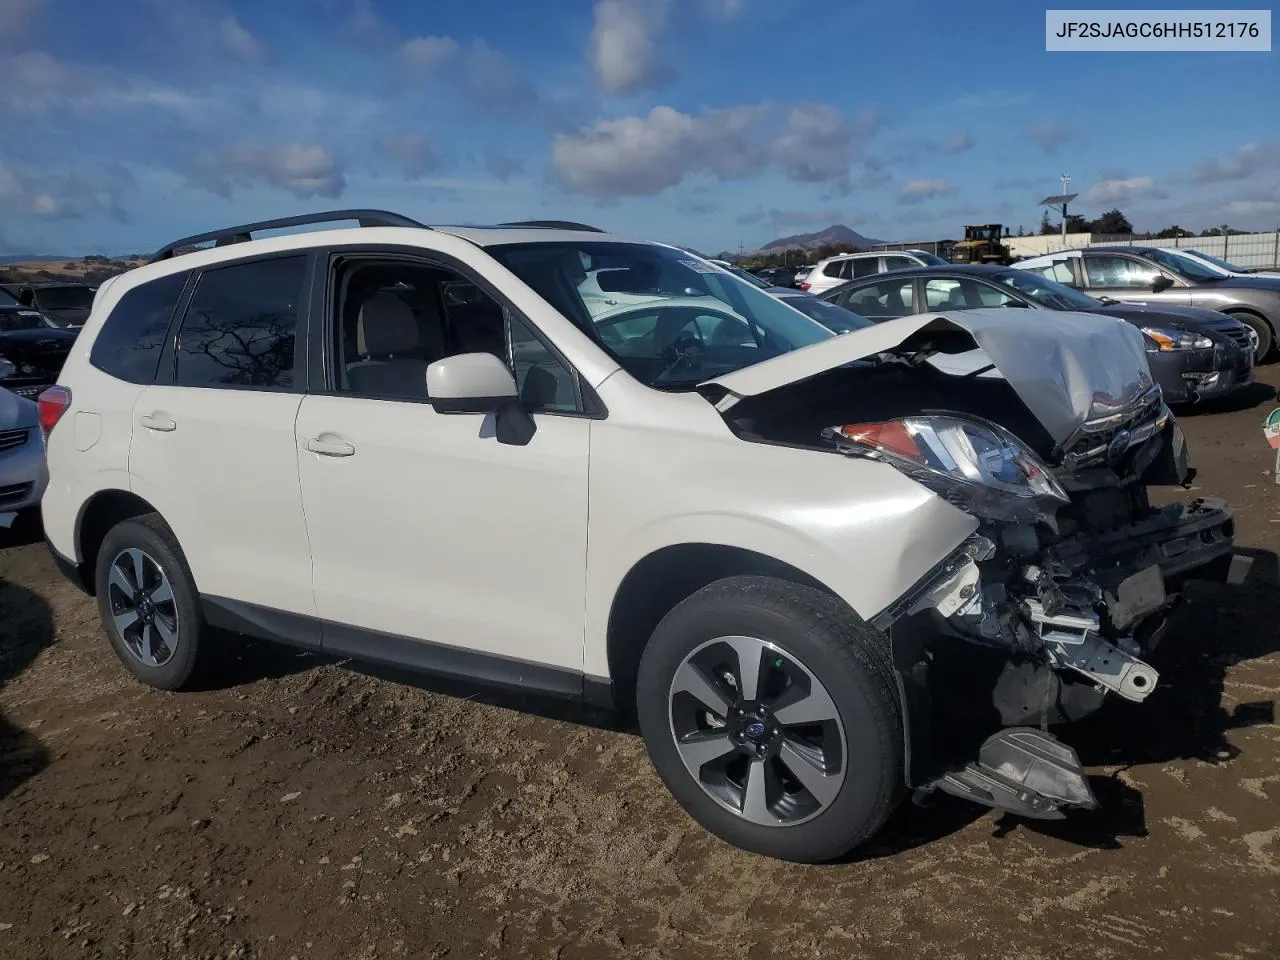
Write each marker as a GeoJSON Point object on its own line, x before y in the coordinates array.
{"type": "Point", "coordinates": [143, 611]}
{"type": "Point", "coordinates": [757, 731]}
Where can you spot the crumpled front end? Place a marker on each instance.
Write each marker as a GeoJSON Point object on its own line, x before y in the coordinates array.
{"type": "Point", "coordinates": [1051, 435]}
{"type": "Point", "coordinates": [1066, 595]}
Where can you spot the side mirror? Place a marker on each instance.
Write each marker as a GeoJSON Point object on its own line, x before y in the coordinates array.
{"type": "Point", "coordinates": [1161, 283]}
{"type": "Point", "coordinates": [480, 383]}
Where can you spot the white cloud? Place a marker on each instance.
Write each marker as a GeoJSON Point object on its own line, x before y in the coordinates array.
{"type": "Point", "coordinates": [304, 170]}
{"type": "Point", "coordinates": [623, 47]}
{"type": "Point", "coordinates": [643, 155]}
{"type": "Point", "coordinates": [240, 43]}
{"type": "Point", "coordinates": [727, 9]}
{"type": "Point", "coordinates": [958, 143]}
{"type": "Point", "coordinates": [917, 191]}
{"type": "Point", "coordinates": [36, 83]}
{"type": "Point", "coordinates": [1119, 189]}
{"type": "Point", "coordinates": [88, 192]}
{"type": "Point", "coordinates": [424, 54]}
{"type": "Point", "coordinates": [1241, 164]}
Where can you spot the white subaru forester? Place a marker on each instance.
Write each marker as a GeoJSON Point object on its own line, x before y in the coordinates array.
{"type": "Point", "coordinates": [771, 545]}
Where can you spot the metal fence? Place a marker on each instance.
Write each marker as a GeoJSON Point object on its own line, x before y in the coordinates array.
{"type": "Point", "coordinates": [1253, 251]}
{"type": "Point", "coordinates": [939, 248]}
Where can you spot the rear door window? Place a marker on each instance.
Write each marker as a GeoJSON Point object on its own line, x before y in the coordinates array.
{"type": "Point", "coordinates": [864, 267]}
{"type": "Point", "coordinates": [889, 298]}
{"type": "Point", "coordinates": [239, 328]}
{"type": "Point", "coordinates": [132, 337]}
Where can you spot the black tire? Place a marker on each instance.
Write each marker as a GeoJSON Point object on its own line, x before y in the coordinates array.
{"type": "Point", "coordinates": [150, 534]}
{"type": "Point", "coordinates": [854, 664]}
{"type": "Point", "coordinates": [1266, 337]}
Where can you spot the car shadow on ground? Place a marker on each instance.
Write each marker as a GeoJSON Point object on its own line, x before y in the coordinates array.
{"type": "Point", "coordinates": [26, 628]}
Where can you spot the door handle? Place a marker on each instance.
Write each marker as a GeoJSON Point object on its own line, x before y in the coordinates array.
{"type": "Point", "coordinates": [158, 421]}
{"type": "Point", "coordinates": [330, 447]}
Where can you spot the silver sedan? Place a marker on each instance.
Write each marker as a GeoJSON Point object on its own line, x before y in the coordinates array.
{"type": "Point", "coordinates": [22, 468]}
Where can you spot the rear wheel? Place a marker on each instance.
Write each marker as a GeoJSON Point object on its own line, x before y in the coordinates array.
{"type": "Point", "coordinates": [148, 602]}
{"type": "Point", "coordinates": [769, 711]}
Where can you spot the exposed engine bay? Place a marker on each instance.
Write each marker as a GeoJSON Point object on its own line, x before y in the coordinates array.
{"type": "Point", "coordinates": [1072, 571]}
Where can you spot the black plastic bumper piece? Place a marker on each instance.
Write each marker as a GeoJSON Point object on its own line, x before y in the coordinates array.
{"type": "Point", "coordinates": [1024, 771]}
{"type": "Point", "coordinates": [75, 572]}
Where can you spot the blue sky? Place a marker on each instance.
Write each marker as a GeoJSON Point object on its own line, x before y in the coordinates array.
{"type": "Point", "coordinates": [702, 122]}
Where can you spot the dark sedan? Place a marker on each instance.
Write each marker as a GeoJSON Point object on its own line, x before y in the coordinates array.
{"type": "Point", "coordinates": [1194, 354]}
{"type": "Point", "coordinates": [32, 348]}
{"type": "Point", "coordinates": [66, 304]}
{"type": "Point", "coordinates": [1149, 275]}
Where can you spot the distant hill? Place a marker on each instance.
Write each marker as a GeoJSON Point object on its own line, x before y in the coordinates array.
{"type": "Point", "coordinates": [92, 270]}
{"type": "Point", "coordinates": [833, 235]}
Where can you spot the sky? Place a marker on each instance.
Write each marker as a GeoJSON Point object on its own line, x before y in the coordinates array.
{"type": "Point", "coordinates": [717, 124]}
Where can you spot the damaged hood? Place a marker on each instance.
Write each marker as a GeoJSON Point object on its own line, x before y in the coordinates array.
{"type": "Point", "coordinates": [1067, 367]}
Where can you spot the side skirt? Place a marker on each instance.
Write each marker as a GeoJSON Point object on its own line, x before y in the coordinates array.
{"type": "Point", "coordinates": [417, 656]}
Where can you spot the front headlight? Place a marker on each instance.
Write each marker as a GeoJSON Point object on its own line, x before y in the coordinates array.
{"type": "Point", "coordinates": [954, 456]}
{"type": "Point", "coordinates": [1162, 340]}
{"type": "Point", "coordinates": [7, 369]}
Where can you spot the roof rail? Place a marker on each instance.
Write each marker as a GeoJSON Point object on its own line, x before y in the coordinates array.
{"type": "Point", "coordinates": [552, 225]}
{"type": "Point", "coordinates": [244, 232]}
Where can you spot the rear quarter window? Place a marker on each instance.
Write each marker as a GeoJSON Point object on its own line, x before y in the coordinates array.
{"type": "Point", "coordinates": [132, 337]}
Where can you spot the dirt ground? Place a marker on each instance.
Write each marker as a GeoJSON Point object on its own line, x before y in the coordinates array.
{"type": "Point", "coordinates": [300, 808]}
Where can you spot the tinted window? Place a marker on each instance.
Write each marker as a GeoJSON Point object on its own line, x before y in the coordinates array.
{"type": "Point", "coordinates": [129, 344]}
{"type": "Point", "coordinates": [7, 299]}
{"type": "Point", "coordinates": [830, 315]}
{"type": "Point", "coordinates": [833, 268]}
{"type": "Point", "coordinates": [1104, 270]}
{"type": "Point", "coordinates": [864, 267]}
{"type": "Point", "coordinates": [239, 327]}
{"type": "Point", "coordinates": [898, 263]}
{"type": "Point", "coordinates": [889, 298]}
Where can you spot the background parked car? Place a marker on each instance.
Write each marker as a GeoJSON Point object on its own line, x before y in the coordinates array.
{"type": "Point", "coordinates": [832, 316]}
{"type": "Point", "coordinates": [66, 304]}
{"type": "Point", "coordinates": [778, 276]}
{"type": "Point", "coordinates": [1194, 354]}
{"type": "Point", "coordinates": [32, 348]}
{"type": "Point", "coordinates": [1152, 275]}
{"type": "Point", "coordinates": [22, 469]}
{"type": "Point", "coordinates": [851, 266]}
{"type": "Point", "coordinates": [1217, 263]}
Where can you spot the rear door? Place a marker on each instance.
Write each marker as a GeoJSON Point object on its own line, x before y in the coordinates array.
{"type": "Point", "coordinates": [884, 300]}
{"type": "Point", "coordinates": [213, 436]}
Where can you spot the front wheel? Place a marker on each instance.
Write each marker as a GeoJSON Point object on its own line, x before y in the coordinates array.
{"type": "Point", "coordinates": [769, 710]}
{"type": "Point", "coordinates": [1266, 339]}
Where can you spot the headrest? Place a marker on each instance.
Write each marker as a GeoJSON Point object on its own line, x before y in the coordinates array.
{"type": "Point", "coordinates": [386, 325]}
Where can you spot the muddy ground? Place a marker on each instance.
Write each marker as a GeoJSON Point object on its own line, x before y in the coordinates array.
{"type": "Point", "coordinates": [299, 808]}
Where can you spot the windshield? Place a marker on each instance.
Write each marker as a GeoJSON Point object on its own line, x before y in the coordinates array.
{"type": "Point", "coordinates": [929, 259]}
{"type": "Point", "coordinates": [14, 320]}
{"type": "Point", "coordinates": [669, 319]}
{"type": "Point", "coordinates": [1184, 266]}
{"type": "Point", "coordinates": [1048, 293]}
{"type": "Point", "coordinates": [7, 299]}
{"type": "Point", "coordinates": [830, 315]}
{"type": "Point", "coordinates": [64, 298]}
{"type": "Point", "coordinates": [1219, 262]}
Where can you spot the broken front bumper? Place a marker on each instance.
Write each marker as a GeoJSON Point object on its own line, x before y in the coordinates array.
{"type": "Point", "coordinates": [1074, 624]}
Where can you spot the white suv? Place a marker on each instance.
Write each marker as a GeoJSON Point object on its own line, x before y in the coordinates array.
{"type": "Point", "coordinates": [833, 271]}
{"type": "Point", "coordinates": [420, 446]}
